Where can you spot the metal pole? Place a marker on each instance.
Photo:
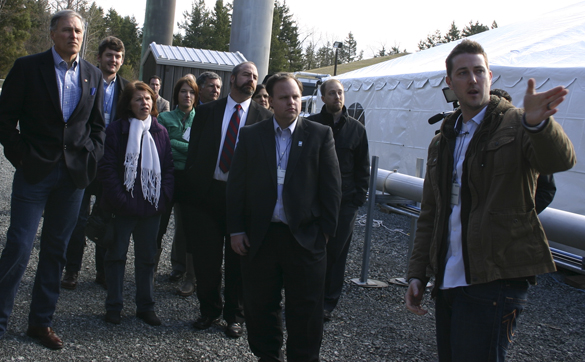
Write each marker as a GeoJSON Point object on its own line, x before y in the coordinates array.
{"type": "Point", "coordinates": [363, 280]}
{"type": "Point", "coordinates": [335, 67]}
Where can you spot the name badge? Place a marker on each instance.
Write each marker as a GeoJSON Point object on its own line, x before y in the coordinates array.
{"type": "Point", "coordinates": [187, 134]}
{"type": "Point", "coordinates": [280, 173]}
{"type": "Point", "coordinates": [455, 194]}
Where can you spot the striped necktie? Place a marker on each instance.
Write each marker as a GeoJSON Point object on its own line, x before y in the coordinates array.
{"type": "Point", "coordinates": [229, 144]}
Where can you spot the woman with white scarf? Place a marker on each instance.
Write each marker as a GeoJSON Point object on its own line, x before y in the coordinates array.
{"type": "Point", "coordinates": [137, 177]}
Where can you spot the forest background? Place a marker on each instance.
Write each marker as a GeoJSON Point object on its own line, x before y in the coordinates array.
{"type": "Point", "coordinates": [24, 28]}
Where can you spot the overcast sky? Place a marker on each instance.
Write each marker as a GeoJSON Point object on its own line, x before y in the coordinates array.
{"type": "Point", "coordinates": [377, 23]}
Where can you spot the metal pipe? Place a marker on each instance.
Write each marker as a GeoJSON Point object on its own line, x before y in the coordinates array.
{"type": "Point", "coordinates": [398, 184]}
{"type": "Point", "coordinates": [562, 227]}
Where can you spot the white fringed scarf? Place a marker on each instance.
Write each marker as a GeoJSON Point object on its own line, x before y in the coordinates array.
{"type": "Point", "coordinates": [150, 165]}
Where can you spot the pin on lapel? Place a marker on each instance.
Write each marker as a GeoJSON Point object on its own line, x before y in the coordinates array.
{"type": "Point", "coordinates": [85, 80]}
{"type": "Point", "coordinates": [300, 143]}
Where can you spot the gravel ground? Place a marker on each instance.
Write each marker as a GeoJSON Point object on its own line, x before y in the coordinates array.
{"type": "Point", "coordinates": [370, 324]}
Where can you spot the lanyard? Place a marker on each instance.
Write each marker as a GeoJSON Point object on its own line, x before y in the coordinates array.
{"type": "Point", "coordinates": [281, 156]}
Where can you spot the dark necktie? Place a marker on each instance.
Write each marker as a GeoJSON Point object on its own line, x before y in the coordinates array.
{"type": "Point", "coordinates": [229, 144]}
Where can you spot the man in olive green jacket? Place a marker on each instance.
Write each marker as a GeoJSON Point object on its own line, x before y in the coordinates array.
{"type": "Point", "coordinates": [478, 233]}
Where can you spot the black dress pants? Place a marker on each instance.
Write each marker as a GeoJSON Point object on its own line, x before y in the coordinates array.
{"type": "Point", "coordinates": [207, 240]}
{"type": "Point", "coordinates": [282, 262]}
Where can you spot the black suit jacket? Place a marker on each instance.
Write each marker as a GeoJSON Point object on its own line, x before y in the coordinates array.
{"type": "Point", "coordinates": [204, 144]}
{"type": "Point", "coordinates": [120, 85]}
{"type": "Point", "coordinates": [312, 185]}
{"type": "Point", "coordinates": [30, 99]}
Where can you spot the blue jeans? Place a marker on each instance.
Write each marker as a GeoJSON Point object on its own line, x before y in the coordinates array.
{"type": "Point", "coordinates": [144, 230]}
{"type": "Point", "coordinates": [477, 323]}
{"type": "Point", "coordinates": [58, 196]}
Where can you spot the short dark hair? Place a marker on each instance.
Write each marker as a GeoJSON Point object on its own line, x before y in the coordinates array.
{"type": "Point", "coordinates": [323, 88]}
{"type": "Point", "coordinates": [67, 13]}
{"type": "Point", "coordinates": [113, 43]}
{"type": "Point", "coordinates": [465, 47]}
{"type": "Point", "coordinates": [203, 77]}
{"type": "Point", "coordinates": [259, 87]}
{"type": "Point", "coordinates": [123, 109]}
{"type": "Point", "coordinates": [279, 77]}
{"type": "Point", "coordinates": [238, 68]}
{"type": "Point", "coordinates": [154, 77]}
{"type": "Point", "coordinates": [191, 83]}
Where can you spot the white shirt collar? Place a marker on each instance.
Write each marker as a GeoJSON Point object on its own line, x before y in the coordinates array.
{"type": "Point", "coordinates": [292, 126]}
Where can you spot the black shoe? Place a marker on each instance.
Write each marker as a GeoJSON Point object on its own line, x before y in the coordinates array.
{"type": "Point", "coordinates": [204, 322]}
{"type": "Point", "coordinates": [149, 317]}
{"type": "Point", "coordinates": [326, 315]}
{"type": "Point", "coordinates": [176, 276]}
{"type": "Point", "coordinates": [69, 280]}
{"type": "Point", "coordinates": [187, 289]}
{"type": "Point", "coordinates": [234, 330]}
{"type": "Point", "coordinates": [113, 317]}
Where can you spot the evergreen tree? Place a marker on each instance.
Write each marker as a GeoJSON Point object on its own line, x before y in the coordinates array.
{"type": "Point", "coordinates": [277, 58]}
{"type": "Point", "coordinates": [382, 52]}
{"type": "Point", "coordinates": [472, 29]}
{"type": "Point", "coordinates": [348, 53]}
{"type": "Point", "coordinates": [196, 26]}
{"type": "Point", "coordinates": [453, 34]}
{"type": "Point", "coordinates": [286, 53]}
{"type": "Point", "coordinates": [431, 40]}
{"type": "Point", "coordinates": [220, 23]}
{"type": "Point", "coordinates": [94, 32]}
{"type": "Point", "coordinates": [396, 50]}
{"type": "Point", "coordinates": [15, 23]}
{"type": "Point", "coordinates": [310, 56]}
{"type": "Point", "coordinates": [326, 56]}
{"type": "Point", "coordinates": [178, 40]}
{"type": "Point", "coordinates": [126, 29]}
{"type": "Point", "coordinates": [40, 17]}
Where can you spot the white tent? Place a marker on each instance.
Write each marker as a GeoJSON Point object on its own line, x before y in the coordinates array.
{"type": "Point", "coordinates": [400, 95]}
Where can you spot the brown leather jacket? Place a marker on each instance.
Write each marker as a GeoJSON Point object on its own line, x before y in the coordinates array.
{"type": "Point", "coordinates": [502, 235]}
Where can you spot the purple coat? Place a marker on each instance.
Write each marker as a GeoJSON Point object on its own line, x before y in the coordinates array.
{"type": "Point", "coordinates": [115, 198]}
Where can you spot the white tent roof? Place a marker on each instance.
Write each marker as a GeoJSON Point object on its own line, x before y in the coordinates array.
{"type": "Point", "coordinates": [398, 96]}
{"type": "Point", "coordinates": [554, 40]}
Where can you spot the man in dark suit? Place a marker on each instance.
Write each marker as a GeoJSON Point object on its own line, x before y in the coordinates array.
{"type": "Point", "coordinates": [52, 130]}
{"type": "Point", "coordinates": [110, 58]}
{"type": "Point", "coordinates": [213, 138]}
{"type": "Point", "coordinates": [283, 198]}
{"type": "Point", "coordinates": [351, 146]}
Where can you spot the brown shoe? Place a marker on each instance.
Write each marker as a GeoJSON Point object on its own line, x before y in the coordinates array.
{"type": "Point", "coordinates": [46, 335]}
{"type": "Point", "coordinates": [69, 280]}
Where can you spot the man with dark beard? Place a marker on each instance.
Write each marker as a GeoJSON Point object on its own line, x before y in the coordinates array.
{"type": "Point", "coordinates": [213, 138]}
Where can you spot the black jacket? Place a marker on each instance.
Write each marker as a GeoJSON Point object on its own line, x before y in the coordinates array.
{"type": "Point", "coordinates": [30, 99]}
{"type": "Point", "coordinates": [351, 146]}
